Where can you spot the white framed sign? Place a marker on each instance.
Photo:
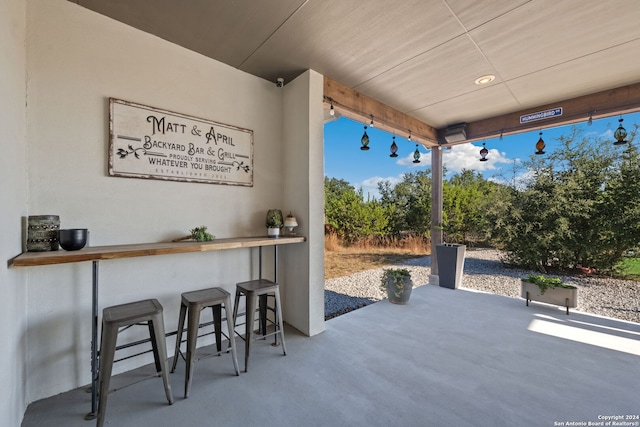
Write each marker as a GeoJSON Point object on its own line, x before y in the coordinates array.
{"type": "Point", "coordinates": [147, 142]}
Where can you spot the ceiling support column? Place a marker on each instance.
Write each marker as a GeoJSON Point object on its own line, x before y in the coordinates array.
{"type": "Point", "coordinates": [436, 210]}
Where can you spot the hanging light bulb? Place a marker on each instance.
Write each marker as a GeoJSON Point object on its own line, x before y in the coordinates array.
{"type": "Point", "coordinates": [540, 145]}
{"type": "Point", "coordinates": [409, 137]}
{"type": "Point", "coordinates": [416, 155]}
{"type": "Point", "coordinates": [393, 148]}
{"type": "Point", "coordinates": [364, 140]}
{"type": "Point", "coordinates": [332, 112]}
{"type": "Point", "coordinates": [590, 121]}
{"type": "Point", "coordinates": [620, 134]}
{"type": "Point", "coordinates": [483, 153]}
{"type": "Point", "coordinates": [371, 124]}
{"type": "Point", "coordinates": [501, 132]}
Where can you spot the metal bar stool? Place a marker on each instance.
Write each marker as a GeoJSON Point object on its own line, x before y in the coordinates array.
{"type": "Point", "coordinates": [146, 312]}
{"type": "Point", "coordinates": [253, 290]}
{"type": "Point", "coordinates": [194, 302]}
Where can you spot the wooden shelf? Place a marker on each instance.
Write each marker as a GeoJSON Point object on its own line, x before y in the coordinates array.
{"type": "Point", "coordinates": [97, 253]}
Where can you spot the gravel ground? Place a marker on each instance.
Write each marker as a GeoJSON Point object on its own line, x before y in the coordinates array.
{"type": "Point", "coordinates": [483, 271]}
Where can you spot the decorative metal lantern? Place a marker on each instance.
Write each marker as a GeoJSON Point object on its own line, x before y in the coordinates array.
{"type": "Point", "coordinates": [364, 140]}
{"type": "Point", "coordinates": [483, 153]}
{"type": "Point", "coordinates": [540, 145]}
{"type": "Point", "coordinates": [416, 155]}
{"type": "Point", "coordinates": [620, 134]}
{"type": "Point", "coordinates": [393, 148]}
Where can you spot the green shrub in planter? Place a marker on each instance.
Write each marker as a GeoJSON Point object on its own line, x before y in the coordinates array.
{"type": "Point", "coordinates": [545, 283]}
{"type": "Point", "coordinates": [549, 290]}
{"type": "Point", "coordinates": [397, 284]}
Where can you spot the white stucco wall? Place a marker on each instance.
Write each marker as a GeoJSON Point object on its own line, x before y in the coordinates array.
{"type": "Point", "coordinates": [304, 192]}
{"type": "Point", "coordinates": [13, 204]}
{"type": "Point", "coordinates": [76, 60]}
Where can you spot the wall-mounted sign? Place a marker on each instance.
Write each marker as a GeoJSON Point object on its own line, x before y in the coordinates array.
{"type": "Point", "coordinates": [541, 115]}
{"type": "Point", "coordinates": [147, 142]}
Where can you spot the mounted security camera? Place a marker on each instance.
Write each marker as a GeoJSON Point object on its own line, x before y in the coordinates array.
{"type": "Point", "coordinates": [279, 82]}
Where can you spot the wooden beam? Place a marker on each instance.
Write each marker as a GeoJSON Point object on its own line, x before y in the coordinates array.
{"type": "Point", "coordinates": [359, 107]}
{"type": "Point", "coordinates": [622, 100]}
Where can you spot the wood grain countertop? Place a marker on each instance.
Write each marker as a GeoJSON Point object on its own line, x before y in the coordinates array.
{"type": "Point", "coordinates": [97, 253]}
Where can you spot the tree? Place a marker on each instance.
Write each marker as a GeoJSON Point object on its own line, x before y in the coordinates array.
{"type": "Point", "coordinates": [410, 203]}
{"type": "Point", "coordinates": [569, 214]}
{"type": "Point", "coordinates": [350, 215]}
{"type": "Point", "coordinates": [464, 198]}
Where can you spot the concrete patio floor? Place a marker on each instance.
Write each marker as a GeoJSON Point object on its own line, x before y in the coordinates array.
{"type": "Point", "coordinates": [448, 358]}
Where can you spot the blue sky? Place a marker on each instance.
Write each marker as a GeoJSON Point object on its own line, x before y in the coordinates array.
{"type": "Point", "coordinates": [343, 158]}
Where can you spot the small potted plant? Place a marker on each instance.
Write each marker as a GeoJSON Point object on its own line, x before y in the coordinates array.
{"type": "Point", "coordinates": [397, 284]}
{"type": "Point", "coordinates": [274, 222]}
{"type": "Point", "coordinates": [550, 290]}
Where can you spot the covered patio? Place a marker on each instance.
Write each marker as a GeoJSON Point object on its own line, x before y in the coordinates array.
{"type": "Point", "coordinates": [447, 358]}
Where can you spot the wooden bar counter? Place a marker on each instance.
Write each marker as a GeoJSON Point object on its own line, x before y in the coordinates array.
{"type": "Point", "coordinates": [98, 253]}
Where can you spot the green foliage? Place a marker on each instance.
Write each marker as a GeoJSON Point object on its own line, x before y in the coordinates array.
{"type": "Point", "coordinates": [396, 278]}
{"type": "Point", "coordinates": [199, 234]}
{"type": "Point", "coordinates": [465, 197]}
{"type": "Point", "coordinates": [410, 202]}
{"type": "Point", "coordinates": [630, 266]}
{"type": "Point", "coordinates": [578, 208]}
{"type": "Point", "coordinates": [274, 218]}
{"type": "Point", "coordinates": [350, 215]}
{"type": "Point", "coordinates": [545, 283]}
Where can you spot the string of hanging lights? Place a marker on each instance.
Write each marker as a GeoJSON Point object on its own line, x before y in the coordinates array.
{"type": "Point", "coordinates": [620, 134]}
{"type": "Point", "coordinates": [335, 105]}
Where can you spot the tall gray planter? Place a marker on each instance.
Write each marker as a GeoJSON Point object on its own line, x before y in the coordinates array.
{"type": "Point", "coordinates": [450, 264]}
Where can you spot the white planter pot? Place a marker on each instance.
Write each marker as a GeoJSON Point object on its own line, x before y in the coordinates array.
{"type": "Point", "coordinates": [273, 232]}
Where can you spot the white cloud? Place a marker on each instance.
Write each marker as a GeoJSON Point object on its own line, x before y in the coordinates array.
{"type": "Point", "coordinates": [467, 156]}
{"type": "Point", "coordinates": [370, 185]}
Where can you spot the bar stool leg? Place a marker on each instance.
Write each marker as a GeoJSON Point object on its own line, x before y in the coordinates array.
{"type": "Point", "coordinates": [107, 352]}
{"type": "Point", "coordinates": [231, 328]}
{"type": "Point", "coordinates": [159, 338]}
{"type": "Point", "coordinates": [262, 314]}
{"type": "Point", "coordinates": [251, 312]}
{"type": "Point", "coordinates": [176, 354]}
{"type": "Point", "coordinates": [235, 314]}
{"type": "Point", "coordinates": [154, 347]}
{"type": "Point", "coordinates": [280, 322]}
{"type": "Point", "coordinates": [192, 336]}
{"type": "Point", "coordinates": [217, 325]}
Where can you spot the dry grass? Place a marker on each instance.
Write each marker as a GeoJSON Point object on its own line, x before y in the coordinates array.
{"type": "Point", "coordinates": [341, 260]}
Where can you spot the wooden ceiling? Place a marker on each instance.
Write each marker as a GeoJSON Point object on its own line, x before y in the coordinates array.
{"type": "Point", "coordinates": [420, 58]}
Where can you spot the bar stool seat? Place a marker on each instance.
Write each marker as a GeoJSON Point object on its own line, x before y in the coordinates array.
{"type": "Point", "coordinates": [146, 312]}
{"type": "Point", "coordinates": [194, 302]}
{"type": "Point", "coordinates": [252, 290]}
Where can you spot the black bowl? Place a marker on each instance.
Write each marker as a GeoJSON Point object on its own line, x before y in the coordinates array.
{"type": "Point", "coordinates": [72, 239]}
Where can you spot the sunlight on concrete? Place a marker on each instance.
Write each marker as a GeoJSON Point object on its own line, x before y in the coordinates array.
{"type": "Point", "coordinates": [582, 332]}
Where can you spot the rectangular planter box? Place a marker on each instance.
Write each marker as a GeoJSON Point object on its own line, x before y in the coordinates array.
{"type": "Point", "coordinates": [564, 297]}
{"type": "Point", "coordinates": [450, 265]}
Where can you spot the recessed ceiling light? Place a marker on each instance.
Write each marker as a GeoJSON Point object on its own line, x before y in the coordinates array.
{"type": "Point", "coordinates": [483, 80]}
